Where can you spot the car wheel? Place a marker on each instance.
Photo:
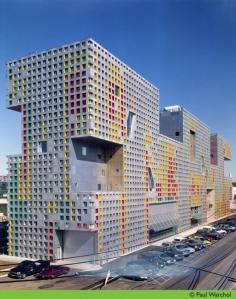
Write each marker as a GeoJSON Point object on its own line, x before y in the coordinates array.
{"type": "Point", "coordinates": [23, 276]}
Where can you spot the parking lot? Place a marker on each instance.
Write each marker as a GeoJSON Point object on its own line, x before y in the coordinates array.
{"type": "Point", "coordinates": [206, 259]}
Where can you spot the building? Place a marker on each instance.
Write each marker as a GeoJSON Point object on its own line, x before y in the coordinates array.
{"type": "Point", "coordinates": [3, 214]}
{"type": "Point", "coordinates": [3, 195]}
{"type": "Point", "coordinates": [204, 191]}
{"type": "Point", "coordinates": [3, 178]}
{"type": "Point", "coordinates": [233, 201]}
{"type": "Point", "coordinates": [3, 186]}
{"type": "Point", "coordinates": [102, 170]}
{"type": "Point", "coordinates": [3, 237]}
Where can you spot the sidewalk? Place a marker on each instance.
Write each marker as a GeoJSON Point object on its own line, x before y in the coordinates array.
{"type": "Point", "coordinates": [12, 259]}
{"type": "Point", "coordinates": [78, 265]}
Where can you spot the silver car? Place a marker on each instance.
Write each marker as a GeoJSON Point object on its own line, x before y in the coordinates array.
{"type": "Point", "coordinates": [184, 248]}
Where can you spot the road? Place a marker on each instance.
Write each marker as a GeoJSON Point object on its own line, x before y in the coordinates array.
{"type": "Point", "coordinates": [219, 258]}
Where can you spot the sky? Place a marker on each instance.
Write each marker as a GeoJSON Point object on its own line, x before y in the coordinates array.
{"type": "Point", "coordinates": [187, 48]}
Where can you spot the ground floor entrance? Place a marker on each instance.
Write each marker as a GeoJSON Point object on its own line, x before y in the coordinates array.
{"type": "Point", "coordinates": [76, 244]}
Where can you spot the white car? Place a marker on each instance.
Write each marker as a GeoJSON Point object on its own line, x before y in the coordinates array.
{"type": "Point", "coordinates": [185, 247]}
{"type": "Point", "coordinates": [178, 240]}
{"type": "Point", "coordinates": [212, 229]}
{"type": "Point", "coordinates": [220, 231]}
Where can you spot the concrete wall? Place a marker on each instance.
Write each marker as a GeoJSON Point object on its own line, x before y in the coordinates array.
{"type": "Point", "coordinates": [79, 243]}
{"type": "Point", "coordinates": [115, 171]}
{"type": "Point", "coordinates": [87, 171]}
{"type": "Point", "coordinates": [171, 123]}
{"type": "Point", "coordinates": [233, 201]}
{"type": "Point", "coordinates": [101, 167]}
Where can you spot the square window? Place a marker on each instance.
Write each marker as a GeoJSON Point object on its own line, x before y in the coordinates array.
{"type": "Point", "coordinates": [130, 123]}
{"type": "Point", "coordinates": [192, 145]}
{"type": "Point", "coordinates": [117, 91]}
{"type": "Point", "coordinates": [42, 147]}
{"type": "Point", "coordinates": [150, 179]}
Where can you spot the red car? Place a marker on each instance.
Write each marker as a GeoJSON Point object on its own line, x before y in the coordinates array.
{"type": "Point", "coordinates": [53, 271]}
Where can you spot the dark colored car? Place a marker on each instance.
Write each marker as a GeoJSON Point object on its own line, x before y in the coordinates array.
{"type": "Point", "coordinates": [152, 257]}
{"type": "Point", "coordinates": [196, 244]}
{"type": "Point", "coordinates": [53, 271]}
{"type": "Point", "coordinates": [175, 254]}
{"type": "Point", "coordinates": [166, 244]}
{"type": "Point", "coordinates": [205, 240]}
{"type": "Point", "coordinates": [231, 221]}
{"type": "Point", "coordinates": [209, 233]}
{"type": "Point", "coordinates": [212, 235]}
{"type": "Point", "coordinates": [202, 231]}
{"type": "Point", "coordinates": [27, 268]}
{"type": "Point", "coordinates": [181, 250]}
{"type": "Point", "coordinates": [229, 228]}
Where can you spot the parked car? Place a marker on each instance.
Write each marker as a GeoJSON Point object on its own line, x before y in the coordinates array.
{"type": "Point", "coordinates": [196, 244]}
{"type": "Point", "coordinates": [205, 240]}
{"type": "Point", "coordinates": [201, 231]}
{"type": "Point", "coordinates": [27, 268]}
{"type": "Point", "coordinates": [229, 228]}
{"type": "Point", "coordinates": [166, 244]}
{"type": "Point", "coordinates": [174, 253]}
{"type": "Point", "coordinates": [212, 235]}
{"type": "Point", "coordinates": [180, 250]}
{"type": "Point", "coordinates": [183, 247]}
{"type": "Point", "coordinates": [167, 259]}
{"type": "Point", "coordinates": [222, 232]}
{"type": "Point", "coordinates": [178, 240]}
{"type": "Point", "coordinates": [53, 271]}
{"type": "Point", "coordinates": [152, 257]}
{"type": "Point", "coordinates": [231, 221]}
